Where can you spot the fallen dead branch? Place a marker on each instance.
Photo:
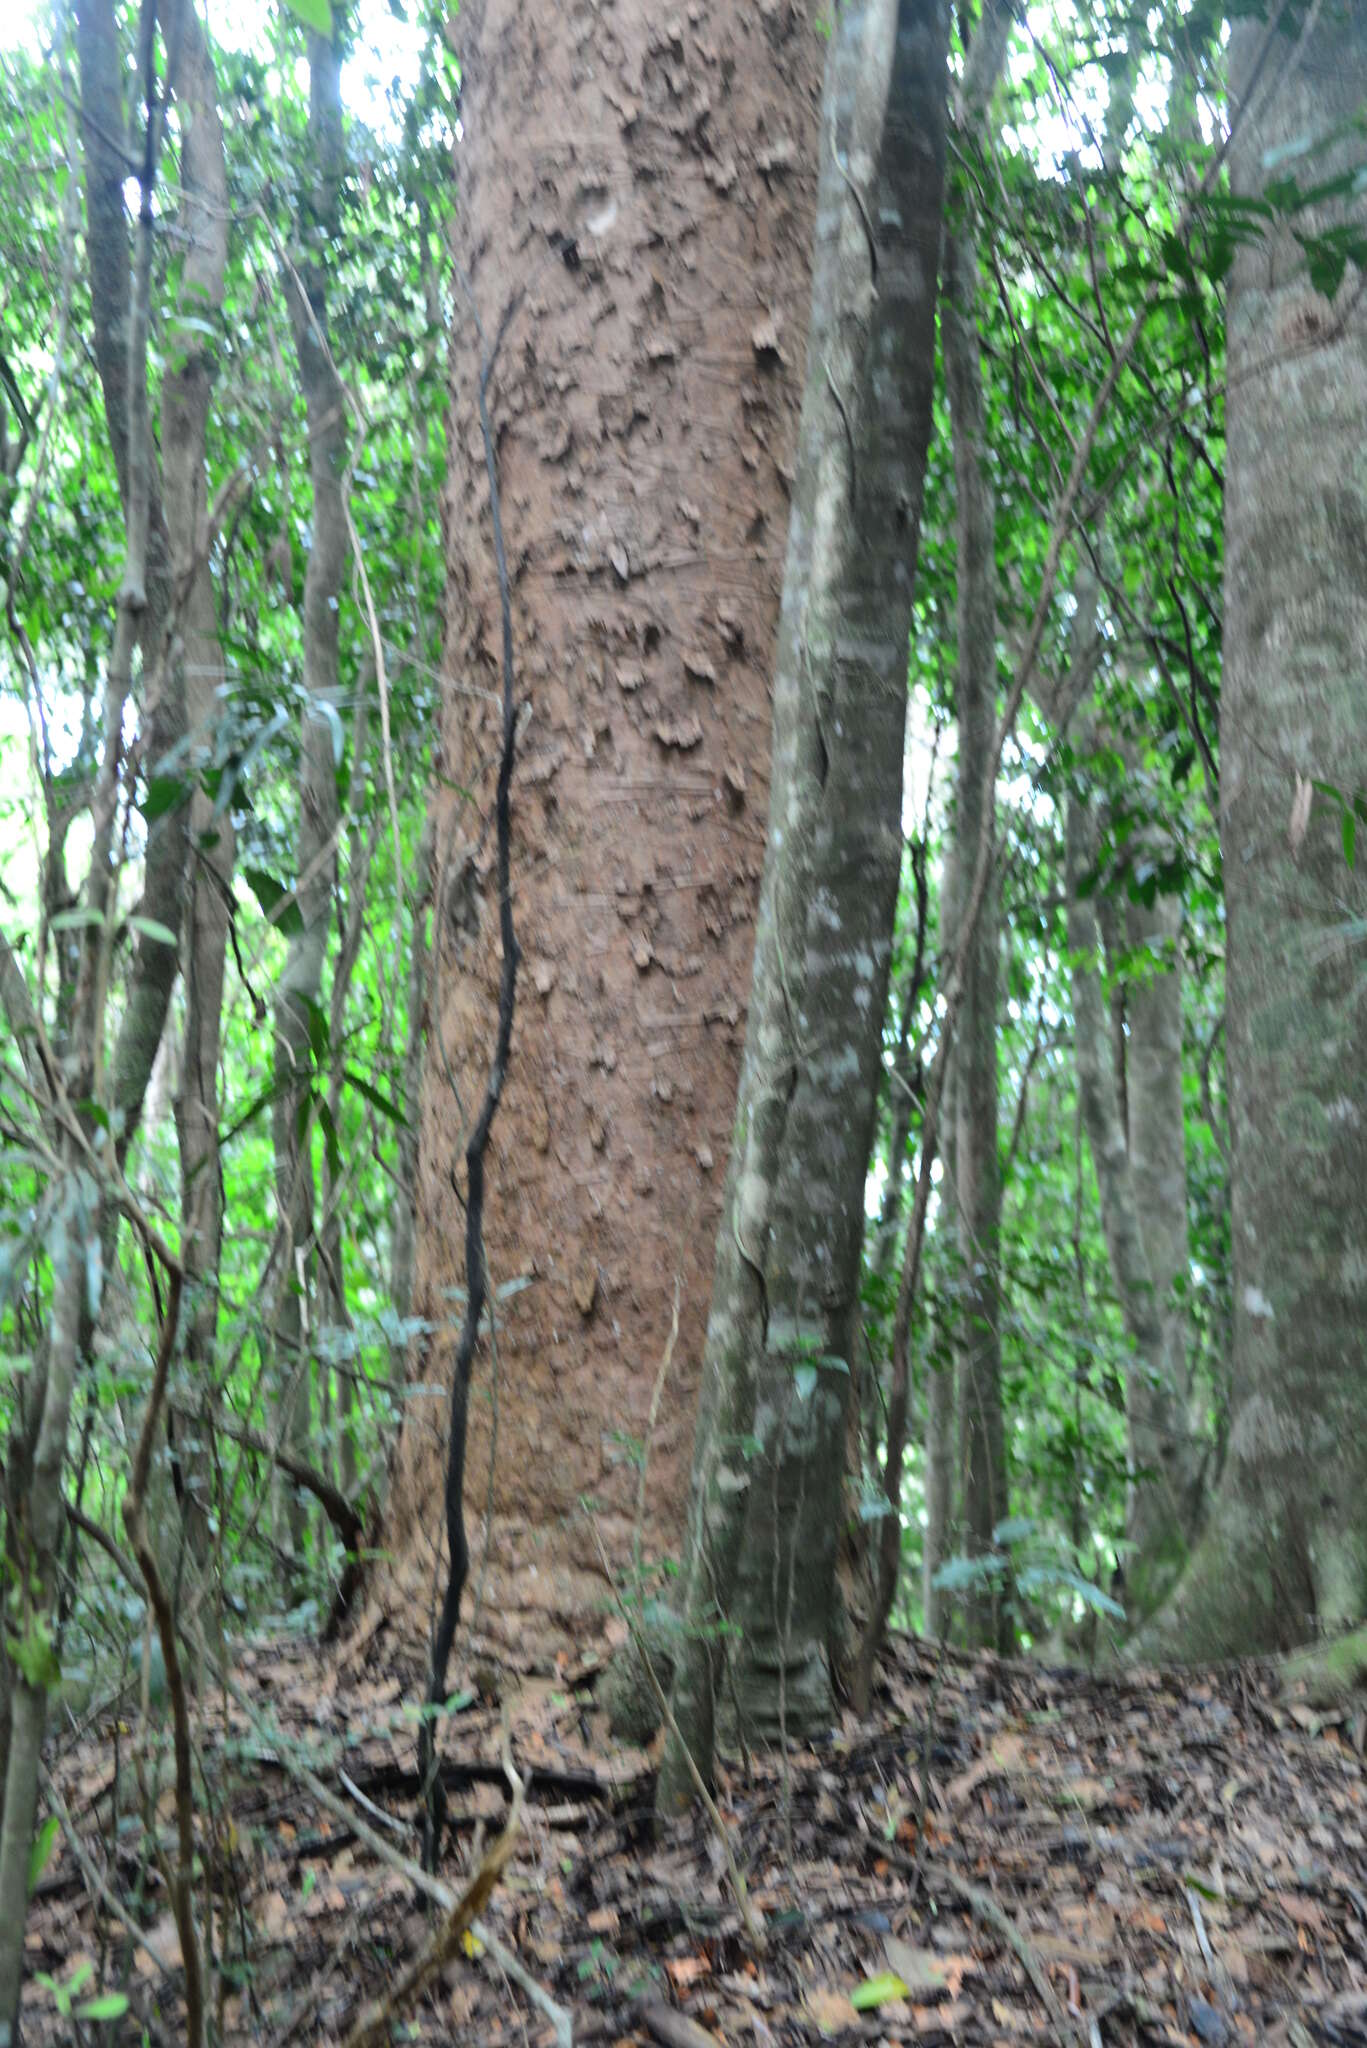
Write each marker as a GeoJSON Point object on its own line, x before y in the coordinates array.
{"type": "Point", "coordinates": [444, 1945]}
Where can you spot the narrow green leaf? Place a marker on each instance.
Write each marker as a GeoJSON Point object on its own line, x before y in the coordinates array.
{"type": "Point", "coordinates": [112, 2005]}
{"type": "Point", "coordinates": [41, 1853]}
{"type": "Point", "coordinates": [150, 929]}
{"type": "Point", "coordinates": [330, 1142]}
{"type": "Point", "coordinates": [375, 1097]}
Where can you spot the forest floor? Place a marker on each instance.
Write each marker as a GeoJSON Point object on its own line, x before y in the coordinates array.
{"type": "Point", "coordinates": [1000, 1853]}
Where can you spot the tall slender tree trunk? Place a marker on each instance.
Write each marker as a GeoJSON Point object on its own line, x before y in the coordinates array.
{"type": "Point", "coordinates": [186, 399]}
{"type": "Point", "coordinates": [982, 1435]}
{"type": "Point", "coordinates": [1166, 1509]}
{"type": "Point", "coordinates": [1285, 1550]}
{"type": "Point", "coordinates": [941, 1437]}
{"type": "Point", "coordinates": [636, 193]}
{"type": "Point", "coordinates": [977, 1170]}
{"type": "Point", "coordinates": [1145, 1246]}
{"type": "Point", "coordinates": [769, 1458]}
{"type": "Point", "coordinates": [299, 995]}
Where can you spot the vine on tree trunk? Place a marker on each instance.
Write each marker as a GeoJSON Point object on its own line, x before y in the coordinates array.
{"type": "Point", "coordinates": [476, 1278]}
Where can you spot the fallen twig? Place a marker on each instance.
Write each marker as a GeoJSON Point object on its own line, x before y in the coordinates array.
{"type": "Point", "coordinates": [373, 2028]}
{"type": "Point", "coordinates": [95, 1884]}
{"type": "Point", "coordinates": [675, 2029]}
{"type": "Point", "coordinates": [985, 1907]}
{"type": "Point", "coordinates": [407, 1867]}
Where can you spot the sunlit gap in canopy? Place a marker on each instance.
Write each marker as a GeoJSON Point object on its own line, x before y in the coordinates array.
{"type": "Point", "coordinates": [378, 76]}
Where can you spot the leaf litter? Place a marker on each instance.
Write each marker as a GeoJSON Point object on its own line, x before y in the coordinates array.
{"type": "Point", "coordinates": [1001, 1853]}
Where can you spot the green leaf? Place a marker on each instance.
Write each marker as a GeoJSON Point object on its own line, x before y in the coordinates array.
{"type": "Point", "coordinates": [1326, 265]}
{"type": "Point", "coordinates": [315, 14]}
{"type": "Point", "coordinates": [376, 1098]}
{"type": "Point", "coordinates": [150, 929]}
{"type": "Point", "coordinates": [1350, 835]}
{"type": "Point", "coordinates": [959, 1573]}
{"type": "Point", "coordinates": [876, 1991]}
{"type": "Point", "coordinates": [804, 1380]}
{"type": "Point", "coordinates": [40, 1854]}
{"type": "Point", "coordinates": [35, 1656]}
{"type": "Point", "coordinates": [319, 1031]}
{"type": "Point", "coordinates": [83, 919]}
{"type": "Point", "coordinates": [330, 1141]}
{"type": "Point", "coordinates": [111, 2005]}
{"type": "Point", "coordinates": [276, 900]}
{"type": "Point", "coordinates": [164, 793]}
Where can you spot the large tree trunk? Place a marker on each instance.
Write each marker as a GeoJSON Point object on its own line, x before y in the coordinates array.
{"type": "Point", "coordinates": [769, 1460]}
{"type": "Point", "coordinates": [1285, 1552]}
{"type": "Point", "coordinates": [636, 191]}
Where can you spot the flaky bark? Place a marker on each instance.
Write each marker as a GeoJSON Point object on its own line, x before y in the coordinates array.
{"type": "Point", "coordinates": [298, 997]}
{"type": "Point", "coordinates": [772, 1422]}
{"type": "Point", "coordinates": [636, 190]}
{"type": "Point", "coordinates": [1285, 1551]}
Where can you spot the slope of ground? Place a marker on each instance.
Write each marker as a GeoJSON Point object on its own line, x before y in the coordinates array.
{"type": "Point", "coordinates": [1002, 1854]}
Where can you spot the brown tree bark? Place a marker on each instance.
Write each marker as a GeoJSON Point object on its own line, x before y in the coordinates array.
{"type": "Point", "coordinates": [646, 185]}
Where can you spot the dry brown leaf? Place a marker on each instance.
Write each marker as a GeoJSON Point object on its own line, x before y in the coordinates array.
{"type": "Point", "coordinates": [831, 2011]}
